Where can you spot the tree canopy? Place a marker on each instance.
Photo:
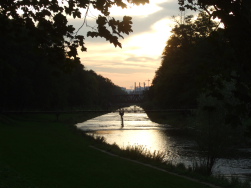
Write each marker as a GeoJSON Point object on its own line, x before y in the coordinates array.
{"type": "Point", "coordinates": [229, 11]}
{"type": "Point", "coordinates": [40, 68]}
{"type": "Point", "coordinates": [48, 20]}
{"type": "Point", "coordinates": [192, 54]}
{"type": "Point", "coordinates": [236, 17]}
{"type": "Point", "coordinates": [207, 68]}
{"type": "Point", "coordinates": [199, 50]}
{"type": "Point", "coordinates": [34, 76]}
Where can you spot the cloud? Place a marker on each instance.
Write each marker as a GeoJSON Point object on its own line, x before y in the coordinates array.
{"type": "Point", "coordinates": [120, 64]}
{"type": "Point", "coordinates": [143, 16]}
{"type": "Point", "coordinates": [141, 51]}
{"type": "Point", "coordinates": [139, 59]}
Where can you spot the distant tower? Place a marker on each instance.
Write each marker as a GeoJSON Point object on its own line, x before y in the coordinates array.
{"type": "Point", "coordinates": [148, 82]}
{"type": "Point", "coordinates": [144, 85]}
{"type": "Point", "coordinates": [135, 87]}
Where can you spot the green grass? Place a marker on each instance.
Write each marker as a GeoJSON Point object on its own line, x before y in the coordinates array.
{"type": "Point", "coordinates": [37, 151]}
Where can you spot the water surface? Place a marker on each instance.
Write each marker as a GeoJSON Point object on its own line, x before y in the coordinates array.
{"type": "Point", "coordinates": [140, 130]}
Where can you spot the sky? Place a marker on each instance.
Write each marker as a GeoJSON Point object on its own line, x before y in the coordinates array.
{"type": "Point", "coordinates": [140, 55]}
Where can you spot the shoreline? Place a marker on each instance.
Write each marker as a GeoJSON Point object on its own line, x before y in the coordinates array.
{"type": "Point", "coordinates": [44, 153]}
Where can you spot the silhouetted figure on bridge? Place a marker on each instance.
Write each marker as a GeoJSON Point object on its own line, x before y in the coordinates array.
{"type": "Point", "coordinates": [121, 113]}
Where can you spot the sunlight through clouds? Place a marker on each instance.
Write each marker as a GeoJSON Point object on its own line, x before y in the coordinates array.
{"type": "Point", "coordinates": [141, 51]}
{"type": "Point", "coordinates": [150, 43]}
{"type": "Point", "coordinates": [140, 56]}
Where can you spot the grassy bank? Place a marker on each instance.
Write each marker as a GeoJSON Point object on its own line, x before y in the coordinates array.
{"type": "Point", "coordinates": [37, 151]}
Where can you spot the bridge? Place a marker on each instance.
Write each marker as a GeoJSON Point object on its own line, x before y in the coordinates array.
{"type": "Point", "coordinates": [129, 99]}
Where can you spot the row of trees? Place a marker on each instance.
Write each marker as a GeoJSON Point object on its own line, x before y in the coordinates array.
{"type": "Point", "coordinates": [39, 64]}
{"type": "Point", "coordinates": [38, 78]}
{"type": "Point", "coordinates": [188, 60]}
{"type": "Point", "coordinates": [199, 58]}
{"type": "Point", "coordinates": [47, 20]}
{"type": "Point", "coordinates": [204, 68]}
{"type": "Point", "coordinates": [207, 67]}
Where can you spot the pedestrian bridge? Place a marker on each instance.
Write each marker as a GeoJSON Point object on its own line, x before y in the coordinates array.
{"type": "Point", "coordinates": [131, 109]}
{"type": "Point", "coordinates": [129, 99]}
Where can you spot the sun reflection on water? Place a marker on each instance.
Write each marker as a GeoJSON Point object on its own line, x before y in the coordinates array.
{"type": "Point", "coordinates": [137, 130]}
{"type": "Point", "coordinates": [150, 139]}
{"type": "Point", "coordinates": [140, 131]}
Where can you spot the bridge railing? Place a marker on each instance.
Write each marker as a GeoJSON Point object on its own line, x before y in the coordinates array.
{"type": "Point", "coordinates": [129, 98]}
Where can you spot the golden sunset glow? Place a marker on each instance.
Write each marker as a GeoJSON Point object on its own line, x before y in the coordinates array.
{"type": "Point", "coordinates": [150, 43]}
{"type": "Point", "coordinates": [141, 51]}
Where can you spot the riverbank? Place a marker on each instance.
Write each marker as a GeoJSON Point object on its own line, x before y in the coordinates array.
{"type": "Point", "coordinates": [38, 151]}
{"type": "Point", "coordinates": [182, 127]}
{"type": "Point", "coordinates": [177, 119]}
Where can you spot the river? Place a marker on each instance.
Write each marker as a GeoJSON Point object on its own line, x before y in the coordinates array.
{"type": "Point", "coordinates": [140, 130]}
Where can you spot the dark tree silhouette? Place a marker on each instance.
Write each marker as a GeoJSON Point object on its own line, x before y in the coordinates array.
{"type": "Point", "coordinates": [33, 78]}
{"type": "Point", "coordinates": [190, 57]}
{"type": "Point", "coordinates": [39, 64]}
{"type": "Point", "coordinates": [236, 17]}
{"type": "Point", "coordinates": [48, 20]}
